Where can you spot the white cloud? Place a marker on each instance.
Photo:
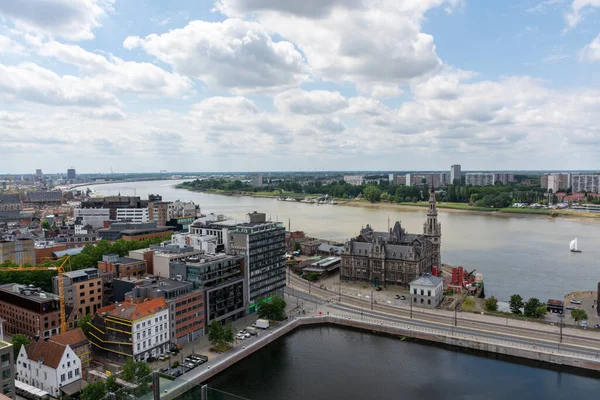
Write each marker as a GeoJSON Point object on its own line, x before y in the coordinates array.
{"type": "Point", "coordinates": [591, 52]}
{"type": "Point", "coordinates": [70, 19]}
{"type": "Point", "coordinates": [232, 54]}
{"type": "Point", "coordinates": [116, 74]}
{"type": "Point", "coordinates": [32, 83]}
{"type": "Point", "coordinates": [574, 16]}
{"type": "Point", "coordinates": [9, 46]}
{"type": "Point", "coordinates": [310, 102]}
{"type": "Point", "coordinates": [372, 44]}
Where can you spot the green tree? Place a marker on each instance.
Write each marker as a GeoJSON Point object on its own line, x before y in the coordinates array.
{"type": "Point", "coordinates": [312, 277]}
{"type": "Point", "coordinates": [297, 246]}
{"type": "Point", "coordinates": [491, 304]}
{"type": "Point", "coordinates": [372, 193]}
{"type": "Point", "coordinates": [534, 308]}
{"type": "Point", "coordinates": [516, 303]}
{"type": "Point", "coordinates": [425, 193]}
{"type": "Point", "coordinates": [228, 333]}
{"type": "Point", "coordinates": [19, 340]}
{"type": "Point", "coordinates": [84, 324]}
{"type": "Point", "coordinates": [94, 391]}
{"type": "Point", "coordinates": [579, 315]}
{"type": "Point", "coordinates": [215, 333]}
{"type": "Point", "coordinates": [138, 373]}
{"type": "Point", "coordinates": [45, 225]}
{"type": "Point", "coordinates": [111, 384]}
{"type": "Point", "coordinates": [385, 197]}
{"type": "Point", "coordinates": [273, 310]}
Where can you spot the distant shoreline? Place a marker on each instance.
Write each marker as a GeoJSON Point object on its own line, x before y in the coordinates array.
{"type": "Point", "coordinates": [447, 207]}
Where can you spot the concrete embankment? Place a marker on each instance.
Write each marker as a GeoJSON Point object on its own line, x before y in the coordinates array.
{"type": "Point", "coordinates": [506, 349]}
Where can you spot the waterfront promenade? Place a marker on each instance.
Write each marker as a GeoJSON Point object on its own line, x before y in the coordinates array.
{"type": "Point", "coordinates": [494, 339]}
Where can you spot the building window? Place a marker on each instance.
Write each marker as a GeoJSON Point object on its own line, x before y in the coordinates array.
{"type": "Point", "coordinates": [422, 292]}
{"type": "Point", "coordinates": [62, 378]}
{"type": "Point", "coordinates": [69, 364]}
{"type": "Point", "coordinates": [422, 301]}
{"type": "Point", "coordinates": [414, 300]}
{"type": "Point", "coordinates": [138, 346]}
{"type": "Point", "coordinates": [415, 291]}
{"type": "Point", "coordinates": [428, 301]}
{"type": "Point", "coordinates": [70, 374]}
{"type": "Point", "coordinates": [429, 293]}
{"type": "Point", "coordinates": [76, 371]}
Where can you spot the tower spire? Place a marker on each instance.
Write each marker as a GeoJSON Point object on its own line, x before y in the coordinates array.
{"type": "Point", "coordinates": [432, 230]}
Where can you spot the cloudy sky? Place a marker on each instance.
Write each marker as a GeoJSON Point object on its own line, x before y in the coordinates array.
{"type": "Point", "coordinates": [263, 85]}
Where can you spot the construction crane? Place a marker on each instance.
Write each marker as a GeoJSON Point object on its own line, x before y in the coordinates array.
{"type": "Point", "coordinates": [60, 268]}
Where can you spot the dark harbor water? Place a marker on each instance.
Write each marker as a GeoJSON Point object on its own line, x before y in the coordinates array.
{"type": "Point", "coordinates": [334, 363]}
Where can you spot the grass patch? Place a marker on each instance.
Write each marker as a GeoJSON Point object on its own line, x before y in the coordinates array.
{"type": "Point", "coordinates": [538, 211]}
{"type": "Point", "coordinates": [468, 304]}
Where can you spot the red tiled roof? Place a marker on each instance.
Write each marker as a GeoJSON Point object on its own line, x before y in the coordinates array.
{"type": "Point", "coordinates": [73, 338]}
{"type": "Point", "coordinates": [49, 353]}
{"type": "Point", "coordinates": [133, 312]}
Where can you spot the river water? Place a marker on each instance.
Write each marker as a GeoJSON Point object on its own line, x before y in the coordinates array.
{"type": "Point", "coordinates": [330, 363]}
{"type": "Point", "coordinates": [528, 255]}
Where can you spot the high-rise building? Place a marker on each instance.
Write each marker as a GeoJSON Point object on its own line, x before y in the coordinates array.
{"type": "Point", "coordinates": [39, 175]}
{"type": "Point", "coordinates": [504, 177]}
{"type": "Point", "coordinates": [479, 179]}
{"type": "Point", "coordinates": [585, 183]}
{"type": "Point", "coordinates": [262, 243]}
{"type": "Point", "coordinates": [355, 180]}
{"type": "Point", "coordinates": [257, 180]}
{"type": "Point", "coordinates": [556, 181]}
{"type": "Point", "coordinates": [455, 174]}
{"type": "Point", "coordinates": [71, 174]}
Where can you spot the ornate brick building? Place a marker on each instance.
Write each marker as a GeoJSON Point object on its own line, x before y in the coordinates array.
{"type": "Point", "coordinates": [394, 257]}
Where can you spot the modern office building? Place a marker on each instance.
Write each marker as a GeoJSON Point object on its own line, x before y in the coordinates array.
{"type": "Point", "coordinates": [71, 174]}
{"type": "Point", "coordinates": [185, 304]}
{"type": "Point", "coordinates": [455, 174]}
{"type": "Point", "coordinates": [262, 243]}
{"type": "Point", "coordinates": [479, 179]}
{"type": "Point", "coordinates": [136, 215]}
{"type": "Point", "coordinates": [82, 290]}
{"type": "Point", "coordinates": [29, 310]}
{"type": "Point", "coordinates": [221, 277]}
{"type": "Point", "coordinates": [113, 203]}
{"type": "Point", "coordinates": [96, 217]}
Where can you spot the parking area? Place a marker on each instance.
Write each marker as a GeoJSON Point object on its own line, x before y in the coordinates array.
{"type": "Point", "coordinates": [588, 300]}
{"type": "Point", "coordinates": [187, 364]}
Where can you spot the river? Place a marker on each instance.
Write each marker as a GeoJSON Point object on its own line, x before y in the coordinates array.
{"type": "Point", "coordinates": [330, 363]}
{"type": "Point", "coordinates": [528, 255]}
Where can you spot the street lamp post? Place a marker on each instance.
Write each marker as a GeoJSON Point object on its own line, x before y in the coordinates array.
{"type": "Point", "coordinates": [371, 298]}
{"type": "Point", "coordinates": [411, 301]}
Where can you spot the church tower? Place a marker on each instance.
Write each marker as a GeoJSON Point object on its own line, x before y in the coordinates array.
{"type": "Point", "coordinates": [432, 230]}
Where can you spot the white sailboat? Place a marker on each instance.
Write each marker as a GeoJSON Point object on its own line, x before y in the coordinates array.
{"type": "Point", "coordinates": [573, 246]}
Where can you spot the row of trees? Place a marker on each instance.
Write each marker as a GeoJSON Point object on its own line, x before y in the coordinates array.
{"type": "Point", "coordinates": [533, 308]}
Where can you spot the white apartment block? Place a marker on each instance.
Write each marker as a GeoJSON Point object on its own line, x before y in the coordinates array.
{"type": "Point", "coordinates": [133, 214]}
{"type": "Point", "coordinates": [355, 180]}
{"type": "Point", "coordinates": [585, 183]}
{"type": "Point", "coordinates": [556, 182]}
{"type": "Point", "coordinates": [455, 174]}
{"type": "Point", "coordinates": [150, 335]}
{"type": "Point", "coordinates": [504, 177]}
{"type": "Point", "coordinates": [48, 366]}
{"type": "Point", "coordinates": [179, 209]}
{"type": "Point", "coordinates": [93, 216]}
{"type": "Point", "coordinates": [204, 243]}
{"type": "Point", "coordinates": [479, 179]}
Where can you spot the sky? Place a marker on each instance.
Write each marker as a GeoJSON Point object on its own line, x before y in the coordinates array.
{"type": "Point", "coordinates": [287, 85]}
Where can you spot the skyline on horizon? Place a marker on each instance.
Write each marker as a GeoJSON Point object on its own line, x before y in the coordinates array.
{"type": "Point", "coordinates": [266, 86]}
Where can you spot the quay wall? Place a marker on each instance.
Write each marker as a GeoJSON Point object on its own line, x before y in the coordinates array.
{"type": "Point", "coordinates": [504, 348]}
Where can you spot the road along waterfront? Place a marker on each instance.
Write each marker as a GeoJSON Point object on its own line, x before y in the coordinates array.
{"type": "Point", "coordinates": [516, 254]}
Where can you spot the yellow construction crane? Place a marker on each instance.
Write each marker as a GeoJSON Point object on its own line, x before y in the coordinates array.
{"type": "Point", "coordinates": [61, 284]}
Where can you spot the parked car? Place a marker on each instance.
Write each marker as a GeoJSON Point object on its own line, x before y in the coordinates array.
{"type": "Point", "coordinates": [402, 297]}
{"type": "Point", "coordinates": [378, 288]}
{"type": "Point", "coordinates": [247, 335]}
{"type": "Point", "coordinates": [584, 324]}
{"type": "Point", "coordinates": [575, 301]}
{"type": "Point", "coordinates": [572, 308]}
{"type": "Point", "coordinates": [597, 326]}
{"type": "Point", "coordinates": [240, 336]}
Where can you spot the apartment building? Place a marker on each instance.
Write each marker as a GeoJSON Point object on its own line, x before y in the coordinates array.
{"type": "Point", "coordinates": [504, 177]}
{"type": "Point", "coordinates": [355, 180]}
{"type": "Point", "coordinates": [7, 367]}
{"type": "Point", "coordinates": [29, 310]}
{"type": "Point", "coordinates": [125, 330]}
{"type": "Point", "coordinates": [158, 212]}
{"type": "Point", "coordinates": [82, 290]}
{"type": "Point", "coordinates": [214, 225]}
{"type": "Point", "coordinates": [165, 255]}
{"type": "Point", "coordinates": [178, 209]}
{"type": "Point", "coordinates": [51, 367]}
{"type": "Point", "coordinates": [556, 181]}
{"type": "Point", "coordinates": [262, 243]}
{"type": "Point", "coordinates": [186, 306]}
{"type": "Point", "coordinates": [585, 183]}
{"type": "Point", "coordinates": [204, 243]}
{"type": "Point", "coordinates": [479, 179]}
{"type": "Point", "coordinates": [221, 276]}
